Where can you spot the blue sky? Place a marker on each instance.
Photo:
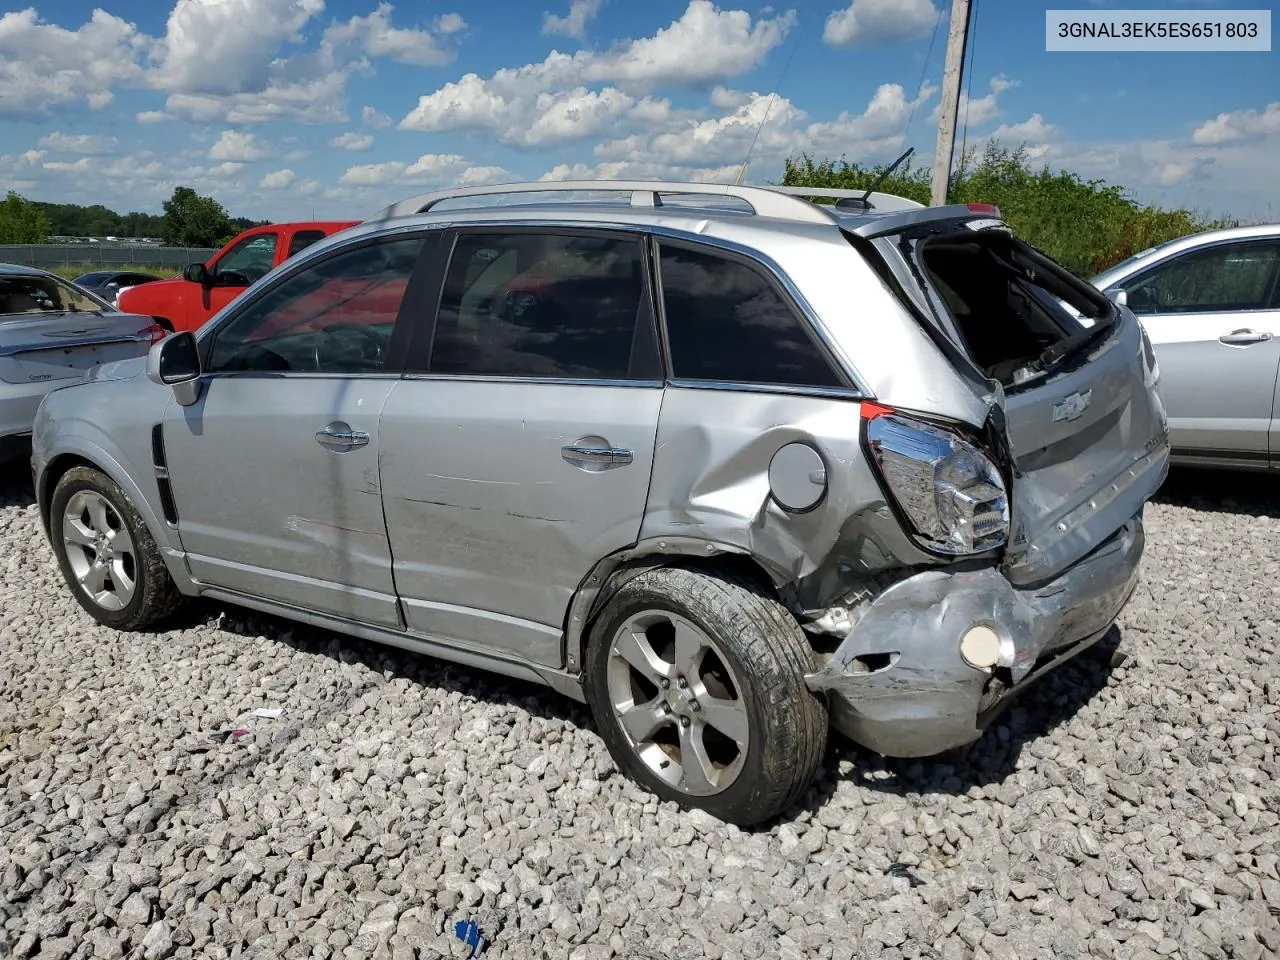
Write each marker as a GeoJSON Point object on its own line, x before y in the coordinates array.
{"type": "Point", "coordinates": [294, 108]}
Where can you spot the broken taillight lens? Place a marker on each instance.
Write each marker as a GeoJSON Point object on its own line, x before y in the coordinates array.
{"type": "Point", "coordinates": [950, 490]}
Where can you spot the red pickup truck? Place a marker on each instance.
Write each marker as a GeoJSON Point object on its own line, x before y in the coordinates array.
{"type": "Point", "coordinates": [186, 302]}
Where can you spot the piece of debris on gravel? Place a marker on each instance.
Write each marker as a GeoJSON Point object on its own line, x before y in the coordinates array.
{"type": "Point", "coordinates": [1124, 808]}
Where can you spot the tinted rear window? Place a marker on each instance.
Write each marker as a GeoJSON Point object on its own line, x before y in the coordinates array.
{"type": "Point", "coordinates": [727, 322]}
{"type": "Point", "coordinates": [545, 305]}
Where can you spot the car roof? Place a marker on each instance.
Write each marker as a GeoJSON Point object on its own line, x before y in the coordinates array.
{"type": "Point", "coordinates": [21, 270]}
{"type": "Point", "coordinates": [747, 213]}
{"type": "Point", "coordinates": [1191, 241]}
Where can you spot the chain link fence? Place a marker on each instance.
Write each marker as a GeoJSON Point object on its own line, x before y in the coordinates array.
{"type": "Point", "coordinates": [49, 255]}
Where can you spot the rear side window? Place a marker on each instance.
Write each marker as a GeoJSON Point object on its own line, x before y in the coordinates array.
{"type": "Point", "coordinates": [545, 305]}
{"type": "Point", "coordinates": [1226, 277]}
{"type": "Point", "coordinates": [727, 322]}
{"type": "Point", "coordinates": [303, 239]}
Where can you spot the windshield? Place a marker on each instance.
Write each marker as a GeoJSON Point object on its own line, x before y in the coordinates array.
{"type": "Point", "coordinates": [36, 293]}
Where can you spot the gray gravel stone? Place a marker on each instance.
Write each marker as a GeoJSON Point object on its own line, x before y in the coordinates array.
{"type": "Point", "coordinates": [1123, 807]}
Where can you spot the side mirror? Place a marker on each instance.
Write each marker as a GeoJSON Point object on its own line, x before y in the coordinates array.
{"type": "Point", "coordinates": [175, 362]}
{"type": "Point", "coordinates": [197, 273]}
{"type": "Point", "coordinates": [1118, 296]}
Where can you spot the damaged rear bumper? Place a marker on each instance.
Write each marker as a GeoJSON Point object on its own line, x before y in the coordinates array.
{"type": "Point", "coordinates": [898, 684]}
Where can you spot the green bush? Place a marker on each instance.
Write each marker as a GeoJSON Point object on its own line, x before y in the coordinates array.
{"type": "Point", "coordinates": [1086, 225]}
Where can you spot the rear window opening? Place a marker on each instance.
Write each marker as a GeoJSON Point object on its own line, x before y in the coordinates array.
{"type": "Point", "coordinates": [1005, 303]}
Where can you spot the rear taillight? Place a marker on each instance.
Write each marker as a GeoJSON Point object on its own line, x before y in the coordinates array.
{"type": "Point", "coordinates": [155, 332]}
{"type": "Point", "coordinates": [950, 490]}
{"type": "Point", "coordinates": [987, 209]}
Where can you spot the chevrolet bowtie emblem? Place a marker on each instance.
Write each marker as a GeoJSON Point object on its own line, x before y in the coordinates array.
{"type": "Point", "coordinates": [1072, 407]}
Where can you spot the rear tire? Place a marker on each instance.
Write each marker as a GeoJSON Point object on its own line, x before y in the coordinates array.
{"type": "Point", "coordinates": [697, 686]}
{"type": "Point", "coordinates": [107, 554]}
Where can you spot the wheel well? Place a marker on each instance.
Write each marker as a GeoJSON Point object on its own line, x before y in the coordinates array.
{"type": "Point", "coordinates": [54, 472]}
{"type": "Point", "coordinates": [738, 565]}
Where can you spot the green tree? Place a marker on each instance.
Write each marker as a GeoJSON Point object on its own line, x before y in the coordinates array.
{"type": "Point", "coordinates": [22, 221]}
{"type": "Point", "coordinates": [1086, 225]}
{"type": "Point", "coordinates": [191, 220]}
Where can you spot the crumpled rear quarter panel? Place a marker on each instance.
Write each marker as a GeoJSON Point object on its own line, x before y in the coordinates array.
{"type": "Point", "coordinates": [711, 482]}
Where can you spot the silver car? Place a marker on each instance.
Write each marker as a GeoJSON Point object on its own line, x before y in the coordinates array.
{"type": "Point", "coordinates": [1210, 303]}
{"type": "Point", "coordinates": [52, 331]}
{"type": "Point", "coordinates": [728, 465]}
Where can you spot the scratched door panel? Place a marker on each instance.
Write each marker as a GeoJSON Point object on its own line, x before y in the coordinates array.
{"type": "Point", "coordinates": [491, 527]}
{"type": "Point", "coordinates": [268, 510]}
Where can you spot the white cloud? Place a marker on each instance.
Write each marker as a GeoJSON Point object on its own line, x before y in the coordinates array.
{"type": "Point", "coordinates": [221, 47]}
{"type": "Point", "coordinates": [29, 158]}
{"type": "Point", "coordinates": [78, 143]}
{"type": "Point", "coordinates": [277, 179]}
{"type": "Point", "coordinates": [550, 102]}
{"type": "Point", "coordinates": [239, 146]}
{"type": "Point", "coordinates": [479, 176]}
{"type": "Point", "coordinates": [152, 116]}
{"type": "Point", "coordinates": [69, 166]}
{"type": "Point", "coordinates": [44, 66]}
{"type": "Point", "coordinates": [581, 12]}
{"type": "Point", "coordinates": [228, 168]}
{"type": "Point", "coordinates": [311, 101]}
{"type": "Point", "coordinates": [449, 23]}
{"type": "Point", "coordinates": [1033, 129]}
{"type": "Point", "coordinates": [374, 118]}
{"type": "Point", "coordinates": [374, 36]}
{"type": "Point", "coordinates": [704, 45]}
{"type": "Point", "coordinates": [870, 22]}
{"type": "Point", "coordinates": [983, 110]}
{"type": "Point", "coordinates": [437, 169]}
{"type": "Point", "coordinates": [1239, 125]}
{"type": "Point", "coordinates": [352, 141]}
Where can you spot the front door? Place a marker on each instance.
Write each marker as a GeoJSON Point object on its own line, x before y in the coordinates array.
{"type": "Point", "coordinates": [521, 454]}
{"type": "Point", "coordinates": [1214, 320]}
{"type": "Point", "coordinates": [275, 467]}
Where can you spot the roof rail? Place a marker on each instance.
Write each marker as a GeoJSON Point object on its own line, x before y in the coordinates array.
{"type": "Point", "coordinates": [783, 203]}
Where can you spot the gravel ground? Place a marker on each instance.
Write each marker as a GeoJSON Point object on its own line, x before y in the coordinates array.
{"type": "Point", "coordinates": [1127, 807]}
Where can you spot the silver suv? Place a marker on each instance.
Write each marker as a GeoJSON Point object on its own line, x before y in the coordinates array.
{"type": "Point", "coordinates": [729, 465]}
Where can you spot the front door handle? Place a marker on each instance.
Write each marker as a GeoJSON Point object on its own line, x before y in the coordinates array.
{"type": "Point", "coordinates": [1242, 338]}
{"type": "Point", "coordinates": [340, 437]}
{"type": "Point", "coordinates": [598, 458]}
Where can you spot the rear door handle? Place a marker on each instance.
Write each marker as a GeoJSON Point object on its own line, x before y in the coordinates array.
{"type": "Point", "coordinates": [600, 457]}
{"type": "Point", "coordinates": [1242, 338]}
{"type": "Point", "coordinates": [340, 437]}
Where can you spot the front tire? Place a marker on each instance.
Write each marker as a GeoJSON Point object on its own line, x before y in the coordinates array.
{"type": "Point", "coordinates": [107, 554]}
{"type": "Point", "coordinates": [697, 686]}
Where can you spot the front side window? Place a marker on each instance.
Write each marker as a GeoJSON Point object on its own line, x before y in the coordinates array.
{"type": "Point", "coordinates": [1225, 278]}
{"type": "Point", "coordinates": [248, 261]}
{"type": "Point", "coordinates": [544, 305]}
{"type": "Point", "coordinates": [726, 322]}
{"type": "Point", "coordinates": [334, 316]}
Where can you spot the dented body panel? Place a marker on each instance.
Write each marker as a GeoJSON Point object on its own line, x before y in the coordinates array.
{"type": "Point", "coordinates": [918, 697]}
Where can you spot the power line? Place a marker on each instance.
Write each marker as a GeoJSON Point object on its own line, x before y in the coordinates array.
{"type": "Point", "coordinates": [769, 107]}
{"type": "Point", "coordinates": [968, 94]}
{"type": "Point", "coordinates": [924, 69]}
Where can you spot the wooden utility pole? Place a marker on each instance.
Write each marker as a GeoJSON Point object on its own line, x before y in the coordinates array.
{"type": "Point", "coordinates": [952, 77]}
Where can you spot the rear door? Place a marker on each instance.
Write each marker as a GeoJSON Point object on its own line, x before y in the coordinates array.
{"type": "Point", "coordinates": [1213, 315]}
{"type": "Point", "coordinates": [519, 452]}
